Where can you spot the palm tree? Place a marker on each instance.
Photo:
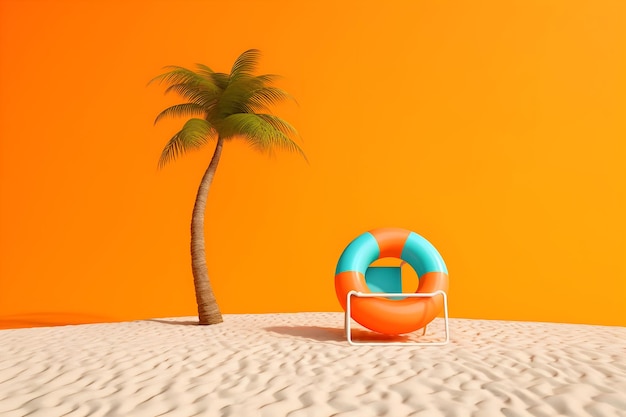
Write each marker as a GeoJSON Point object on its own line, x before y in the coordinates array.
{"type": "Point", "coordinates": [221, 107]}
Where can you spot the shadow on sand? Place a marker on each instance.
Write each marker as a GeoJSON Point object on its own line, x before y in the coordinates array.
{"type": "Point", "coordinates": [334, 334]}
{"type": "Point", "coordinates": [322, 334]}
{"type": "Point", "coordinates": [177, 322]}
{"type": "Point", "coordinates": [51, 319]}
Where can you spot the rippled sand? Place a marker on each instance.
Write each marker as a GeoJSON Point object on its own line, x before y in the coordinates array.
{"type": "Point", "coordinates": [299, 364]}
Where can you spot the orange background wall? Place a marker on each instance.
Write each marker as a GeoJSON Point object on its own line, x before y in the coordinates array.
{"type": "Point", "coordinates": [495, 129]}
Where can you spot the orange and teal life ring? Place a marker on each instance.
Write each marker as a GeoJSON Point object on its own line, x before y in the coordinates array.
{"type": "Point", "coordinates": [381, 314]}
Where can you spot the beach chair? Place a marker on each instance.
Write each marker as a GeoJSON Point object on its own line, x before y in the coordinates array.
{"type": "Point", "coordinates": [384, 280]}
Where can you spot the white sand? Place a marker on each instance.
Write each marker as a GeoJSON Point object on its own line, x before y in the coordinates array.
{"type": "Point", "coordinates": [300, 365]}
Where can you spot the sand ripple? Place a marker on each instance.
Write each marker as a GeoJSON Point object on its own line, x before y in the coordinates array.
{"type": "Point", "coordinates": [299, 365]}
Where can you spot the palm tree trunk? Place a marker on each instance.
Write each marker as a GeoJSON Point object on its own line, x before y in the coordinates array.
{"type": "Point", "coordinates": [208, 310]}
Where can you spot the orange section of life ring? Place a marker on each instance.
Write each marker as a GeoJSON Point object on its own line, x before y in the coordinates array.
{"type": "Point", "coordinates": [384, 315]}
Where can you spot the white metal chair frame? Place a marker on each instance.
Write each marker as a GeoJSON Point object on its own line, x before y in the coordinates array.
{"type": "Point", "coordinates": [348, 317]}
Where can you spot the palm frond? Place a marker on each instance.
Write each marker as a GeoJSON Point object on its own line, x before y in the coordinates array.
{"type": "Point", "coordinates": [268, 79]}
{"type": "Point", "coordinates": [219, 78]}
{"type": "Point", "coordinates": [235, 96]}
{"type": "Point", "coordinates": [175, 75]}
{"type": "Point", "coordinates": [280, 124]}
{"type": "Point", "coordinates": [202, 94]}
{"type": "Point", "coordinates": [263, 132]}
{"type": "Point", "coordinates": [194, 134]}
{"type": "Point", "coordinates": [246, 63]}
{"type": "Point", "coordinates": [265, 97]}
{"type": "Point", "coordinates": [189, 84]}
{"type": "Point", "coordinates": [287, 133]}
{"type": "Point", "coordinates": [204, 69]}
{"type": "Point", "coordinates": [249, 94]}
{"type": "Point", "coordinates": [181, 110]}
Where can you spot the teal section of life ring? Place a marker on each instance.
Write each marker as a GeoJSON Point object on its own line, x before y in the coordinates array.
{"type": "Point", "coordinates": [422, 255]}
{"type": "Point", "coordinates": [359, 254]}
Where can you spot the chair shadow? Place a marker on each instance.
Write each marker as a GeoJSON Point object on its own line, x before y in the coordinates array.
{"type": "Point", "coordinates": [334, 334]}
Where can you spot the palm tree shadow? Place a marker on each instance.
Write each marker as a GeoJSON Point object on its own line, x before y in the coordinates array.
{"type": "Point", "coordinates": [334, 334]}
{"type": "Point", "coordinates": [177, 322]}
{"type": "Point", "coordinates": [51, 319]}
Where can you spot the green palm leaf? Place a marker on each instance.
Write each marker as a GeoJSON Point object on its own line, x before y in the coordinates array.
{"type": "Point", "coordinates": [246, 63]}
{"type": "Point", "coordinates": [175, 75]}
{"type": "Point", "coordinates": [181, 110]}
{"type": "Point", "coordinates": [262, 131]}
{"type": "Point", "coordinates": [279, 124]}
{"type": "Point", "coordinates": [188, 84]}
{"type": "Point", "coordinates": [219, 79]}
{"type": "Point", "coordinates": [194, 134]}
{"type": "Point", "coordinates": [263, 98]}
{"type": "Point", "coordinates": [203, 69]}
{"type": "Point", "coordinates": [196, 93]}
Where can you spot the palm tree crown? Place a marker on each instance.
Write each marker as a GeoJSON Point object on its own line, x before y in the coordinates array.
{"type": "Point", "coordinates": [234, 105]}
{"type": "Point", "coordinates": [221, 107]}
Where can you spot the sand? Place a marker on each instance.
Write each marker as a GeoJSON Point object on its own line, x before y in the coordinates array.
{"type": "Point", "coordinates": [299, 364]}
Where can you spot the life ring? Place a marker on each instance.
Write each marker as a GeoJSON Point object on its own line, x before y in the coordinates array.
{"type": "Point", "coordinates": [380, 314]}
